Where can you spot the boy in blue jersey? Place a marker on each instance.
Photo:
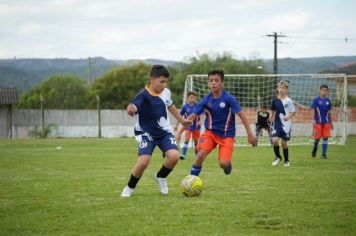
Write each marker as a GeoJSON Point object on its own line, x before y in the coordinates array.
{"type": "Point", "coordinates": [220, 108]}
{"type": "Point", "coordinates": [322, 118]}
{"type": "Point", "coordinates": [283, 111]}
{"type": "Point", "coordinates": [192, 131]}
{"type": "Point", "coordinates": [151, 106]}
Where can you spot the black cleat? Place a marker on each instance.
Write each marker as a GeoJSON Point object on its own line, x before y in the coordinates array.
{"type": "Point", "coordinates": [313, 154]}
{"type": "Point", "coordinates": [324, 157]}
{"type": "Point", "coordinates": [182, 157]}
{"type": "Point", "coordinates": [228, 170]}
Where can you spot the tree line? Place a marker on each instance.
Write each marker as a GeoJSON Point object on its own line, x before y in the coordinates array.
{"type": "Point", "coordinates": [118, 86]}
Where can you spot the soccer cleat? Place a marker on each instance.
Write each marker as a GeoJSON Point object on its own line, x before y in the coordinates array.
{"type": "Point", "coordinates": [127, 192]}
{"type": "Point", "coordinates": [182, 157]}
{"type": "Point", "coordinates": [162, 185]}
{"type": "Point", "coordinates": [313, 154]}
{"type": "Point", "coordinates": [276, 161]}
{"type": "Point", "coordinates": [286, 163]}
{"type": "Point", "coordinates": [228, 169]}
{"type": "Point", "coordinates": [324, 157]}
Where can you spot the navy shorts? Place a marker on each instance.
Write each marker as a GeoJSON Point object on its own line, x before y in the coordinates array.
{"type": "Point", "coordinates": [147, 144]}
{"type": "Point", "coordinates": [280, 133]}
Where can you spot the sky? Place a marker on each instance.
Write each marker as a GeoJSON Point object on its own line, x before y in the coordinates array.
{"type": "Point", "coordinates": [176, 29]}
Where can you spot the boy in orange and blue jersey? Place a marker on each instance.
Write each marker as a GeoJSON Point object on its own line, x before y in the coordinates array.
{"type": "Point", "coordinates": [220, 108]}
{"type": "Point", "coordinates": [323, 122]}
{"type": "Point", "coordinates": [192, 131]}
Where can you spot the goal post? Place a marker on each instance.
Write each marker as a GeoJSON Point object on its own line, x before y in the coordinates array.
{"type": "Point", "coordinates": [254, 91]}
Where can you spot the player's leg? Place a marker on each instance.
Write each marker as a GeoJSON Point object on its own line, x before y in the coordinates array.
{"type": "Point", "coordinates": [205, 145]}
{"type": "Point", "coordinates": [326, 131]}
{"type": "Point", "coordinates": [317, 130]}
{"type": "Point", "coordinates": [226, 147]}
{"type": "Point", "coordinates": [188, 134]}
{"type": "Point", "coordinates": [145, 149]}
{"type": "Point", "coordinates": [195, 135]}
{"type": "Point", "coordinates": [168, 145]}
{"type": "Point", "coordinates": [285, 152]}
{"type": "Point", "coordinates": [278, 157]}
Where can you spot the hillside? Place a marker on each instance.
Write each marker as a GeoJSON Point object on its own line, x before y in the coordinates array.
{"type": "Point", "coordinates": [308, 65]}
{"type": "Point", "coordinates": [26, 73]}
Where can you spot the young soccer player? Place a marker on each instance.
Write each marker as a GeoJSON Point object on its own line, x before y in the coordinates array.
{"type": "Point", "coordinates": [192, 131]}
{"type": "Point", "coordinates": [263, 122]}
{"type": "Point", "coordinates": [220, 109]}
{"type": "Point", "coordinates": [322, 118]}
{"type": "Point", "coordinates": [151, 106]}
{"type": "Point", "coordinates": [283, 111]}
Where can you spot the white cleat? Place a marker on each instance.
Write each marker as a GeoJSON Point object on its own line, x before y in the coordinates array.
{"type": "Point", "coordinates": [127, 192]}
{"type": "Point", "coordinates": [162, 184]}
{"type": "Point", "coordinates": [286, 163]}
{"type": "Point", "coordinates": [276, 161]}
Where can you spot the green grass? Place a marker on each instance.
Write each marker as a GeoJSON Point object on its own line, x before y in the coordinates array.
{"type": "Point", "coordinates": [76, 191]}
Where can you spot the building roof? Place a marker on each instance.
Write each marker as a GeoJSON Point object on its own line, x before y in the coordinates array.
{"type": "Point", "coordinates": [8, 96]}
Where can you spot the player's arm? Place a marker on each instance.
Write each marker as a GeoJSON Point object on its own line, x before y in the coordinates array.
{"type": "Point", "coordinates": [251, 138]}
{"type": "Point", "coordinates": [174, 111]}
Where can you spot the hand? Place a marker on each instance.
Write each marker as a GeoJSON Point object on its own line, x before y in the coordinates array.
{"type": "Point", "coordinates": [131, 109]}
{"type": "Point", "coordinates": [186, 123]}
{"type": "Point", "coordinates": [286, 118]}
{"type": "Point", "coordinates": [252, 139]}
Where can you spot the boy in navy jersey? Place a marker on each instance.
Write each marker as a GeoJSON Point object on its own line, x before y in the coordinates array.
{"type": "Point", "coordinates": [322, 118]}
{"type": "Point", "coordinates": [283, 111]}
{"type": "Point", "coordinates": [192, 131]}
{"type": "Point", "coordinates": [151, 106]}
{"type": "Point", "coordinates": [220, 108]}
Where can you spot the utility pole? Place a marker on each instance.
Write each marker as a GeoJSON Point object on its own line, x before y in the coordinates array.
{"type": "Point", "coordinates": [91, 62]}
{"type": "Point", "coordinates": [275, 60]}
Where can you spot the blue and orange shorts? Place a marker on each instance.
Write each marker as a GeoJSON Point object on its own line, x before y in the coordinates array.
{"type": "Point", "coordinates": [208, 141]}
{"type": "Point", "coordinates": [322, 131]}
{"type": "Point", "coordinates": [192, 133]}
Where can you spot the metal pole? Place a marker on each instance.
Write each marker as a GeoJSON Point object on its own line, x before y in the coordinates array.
{"type": "Point", "coordinates": [42, 118]}
{"type": "Point", "coordinates": [99, 115]}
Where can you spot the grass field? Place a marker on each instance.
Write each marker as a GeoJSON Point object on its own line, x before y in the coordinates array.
{"type": "Point", "coordinates": [76, 191]}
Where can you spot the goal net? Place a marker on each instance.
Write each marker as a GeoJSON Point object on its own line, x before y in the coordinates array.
{"type": "Point", "coordinates": [254, 91]}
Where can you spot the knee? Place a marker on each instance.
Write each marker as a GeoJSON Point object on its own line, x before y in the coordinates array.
{"type": "Point", "coordinates": [223, 164]}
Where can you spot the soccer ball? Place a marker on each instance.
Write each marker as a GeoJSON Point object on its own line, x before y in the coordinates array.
{"type": "Point", "coordinates": [191, 186]}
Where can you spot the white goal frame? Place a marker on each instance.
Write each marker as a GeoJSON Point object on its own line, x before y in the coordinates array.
{"type": "Point", "coordinates": [337, 91]}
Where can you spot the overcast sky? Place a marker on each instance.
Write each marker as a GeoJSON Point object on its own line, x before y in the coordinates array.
{"type": "Point", "coordinates": [175, 29]}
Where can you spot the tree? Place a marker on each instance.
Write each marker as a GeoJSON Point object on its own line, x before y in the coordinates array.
{"type": "Point", "coordinates": [118, 87]}
{"type": "Point", "coordinates": [202, 64]}
{"type": "Point", "coordinates": [59, 92]}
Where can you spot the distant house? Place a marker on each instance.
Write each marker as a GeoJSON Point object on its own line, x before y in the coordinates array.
{"type": "Point", "coordinates": [8, 97]}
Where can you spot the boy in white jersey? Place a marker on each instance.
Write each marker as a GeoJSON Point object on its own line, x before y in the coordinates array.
{"type": "Point", "coordinates": [151, 106]}
{"type": "Point", "coordinates": [283, 111]}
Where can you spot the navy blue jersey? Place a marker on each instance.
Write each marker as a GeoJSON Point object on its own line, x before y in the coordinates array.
{"type": "Point", "coordinates": [152, 113]}
{"type": "Point", "coordinates": [282, 107]}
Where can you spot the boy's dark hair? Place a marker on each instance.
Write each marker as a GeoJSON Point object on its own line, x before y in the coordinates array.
{"type": "Point", "coordinates": [158, 71]}
{"type": "Point", "coordinates": [324, 86]}
{"type": "Point", "coordinates": [191, 93]}
{"type": "Point", "coordinates": [217, 72]}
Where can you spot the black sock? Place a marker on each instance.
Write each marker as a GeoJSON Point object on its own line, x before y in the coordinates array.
{"type": "Point", "coordinates": [133, 181]}
{"type": "Point", "coordinates": [163, 172]}
{"type": "Point", "coordinates": [285, 154]}
{"type": "Point", "coordinates": [276, 151]}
